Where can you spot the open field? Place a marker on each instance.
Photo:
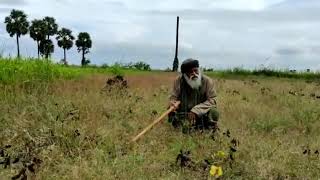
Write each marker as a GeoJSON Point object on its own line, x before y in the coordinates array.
{"type": "Point", "coordinates": [70, 128]}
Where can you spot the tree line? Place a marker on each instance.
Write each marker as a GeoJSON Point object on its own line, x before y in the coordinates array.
{"type": "Point", "coordinates": [40, 30]}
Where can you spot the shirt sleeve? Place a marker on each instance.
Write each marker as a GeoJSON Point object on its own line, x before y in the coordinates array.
{"type": "Point", "coordinates": [175, 93]}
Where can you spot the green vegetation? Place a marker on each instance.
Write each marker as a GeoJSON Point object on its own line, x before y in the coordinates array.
{"type": "Point", "coordinates": [265, 72]}
{"type": "Point", "coordinates": [20, 70]}
{"type": "Point", "coordinates": [25, 70]}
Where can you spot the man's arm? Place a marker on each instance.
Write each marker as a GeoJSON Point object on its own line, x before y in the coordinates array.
{"type": "Point", "coordinates": [204, 107]}
{"type": "Point", "coordinates": [175, 93]}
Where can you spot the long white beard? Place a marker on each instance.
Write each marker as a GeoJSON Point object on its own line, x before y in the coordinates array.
{"type": "Point", "coordinates": [193, 83]}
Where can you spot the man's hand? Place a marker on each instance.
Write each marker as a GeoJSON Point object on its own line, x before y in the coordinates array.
{"type": "Point", "coordinates": [192, 117]}
{"type": "Point", "coordinates": [174, 104]}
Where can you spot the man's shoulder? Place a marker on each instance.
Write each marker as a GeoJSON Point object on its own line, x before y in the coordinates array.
{"type": "Point", "coordinates": [178, 78]}
{"type": "Point", "coordinates": [206, 78]}
{"type": "Point", "coordinates": [208, 81]}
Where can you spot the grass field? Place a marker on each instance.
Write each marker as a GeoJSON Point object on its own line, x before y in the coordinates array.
{"type": "Point", "coordinates": [70, 127]}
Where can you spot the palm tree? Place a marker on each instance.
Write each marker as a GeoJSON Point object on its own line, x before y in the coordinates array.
{"type": "Point", "coordinates": [37, 32]}
{"type": "Point", "coordinates": [84, 43]}
{"type": "Point", "coordinates": [46, 48]}
{"type": "Point", "coordinates": [65, 41]}
{"type": "Point", "coordinates": [17, 24]}
{"type": "Point", "coordinates": [51, 26]}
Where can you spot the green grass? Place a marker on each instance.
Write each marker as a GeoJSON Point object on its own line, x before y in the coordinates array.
{"type": "Point", "coordinates": [33, 70]}
{"type": "Point", "coordinates": [240, 72]}
{"type": "Point", "coordinates": [21, 70]}
{"type": "Point", "coordinates": [60, 115]}
{"type": "Point", "coordinates": [81, 132]}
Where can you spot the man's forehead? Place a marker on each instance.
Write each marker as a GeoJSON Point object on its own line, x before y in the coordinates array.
{"type": "Point", "coordinates": [189, 64]}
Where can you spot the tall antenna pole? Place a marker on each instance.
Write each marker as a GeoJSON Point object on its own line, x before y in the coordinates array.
{"type": "Point", "coordinates": [177, 38]}
{"type": "Point", "coordinates": [176, 61]}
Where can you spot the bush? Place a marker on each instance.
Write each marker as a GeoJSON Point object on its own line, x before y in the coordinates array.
{"type": "Point", "coordinates": [142, 66]}
{"type": "Point", "coordinates": [105, 65]}
{"type": "Point", "coordinates": [116, 70]}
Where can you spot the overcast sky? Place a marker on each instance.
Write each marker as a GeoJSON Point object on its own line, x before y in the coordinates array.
{"type": "Point", "coordinates": [220, 33]}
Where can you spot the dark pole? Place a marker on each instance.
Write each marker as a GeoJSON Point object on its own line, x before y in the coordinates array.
{"type": "Point", "coordinates": [176, 61]}
{"type": "Point", "coordinates": [177, 38]}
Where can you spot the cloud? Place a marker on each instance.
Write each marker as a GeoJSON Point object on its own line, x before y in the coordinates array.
{"type": "Point", "coordinates": [5, 10]}
{"type": "Point", "coordinates": [219, 33]}
{"type": "Point", "coordinates": [289, 51]}
{"type": "Point", "coordinates": [249, 5]}
{"type": "Point", "coordinates": [12, 2]}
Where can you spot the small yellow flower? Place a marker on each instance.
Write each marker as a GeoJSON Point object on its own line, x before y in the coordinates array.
{"type": "Point", "coordinates": [220, 154]}
{"type": "Point", "coordinates": [216, 171]}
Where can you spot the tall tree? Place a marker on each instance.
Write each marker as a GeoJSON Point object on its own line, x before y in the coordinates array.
{"type": "Point", "coordinates": [51, 26]}
{"type": "Point", "coordinates": [84, 43]}
{"type": "Point", "coordinates": [51, 29]}
{"type": "Point", "coordinates": [17, 24]}
{"type": "Point", "coordinates": [65, 41]}
{"type": "Point", "coordinates": [46, 48]}
{"type": "Point", "coordinates": [38, 32]}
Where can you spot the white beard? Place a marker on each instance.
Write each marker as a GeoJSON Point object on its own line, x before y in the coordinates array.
{"type": "Point", "coordinates": [193, 83]}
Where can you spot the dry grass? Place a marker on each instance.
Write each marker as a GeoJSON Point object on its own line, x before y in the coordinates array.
{"type": "Point", "coordinates": [79, 131]}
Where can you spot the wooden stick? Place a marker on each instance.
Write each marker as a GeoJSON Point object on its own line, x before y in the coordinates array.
{"type": "Point", "coordinates": [155, 122]}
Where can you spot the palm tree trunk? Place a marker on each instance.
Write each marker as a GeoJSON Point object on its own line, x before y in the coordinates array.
{"type": "Point", "coordinates": [47, 51]}
{"type": "Point", "coordinates": [38, 49]}
{"type": "Point", "coordinates": [65, 56]}
{"type": "Point", "coordinates": [83, 59]}
{"type": "Point", "coordinates": [18, 46]}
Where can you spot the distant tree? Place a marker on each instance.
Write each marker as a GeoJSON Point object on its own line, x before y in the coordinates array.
{"type": "Point", "coordinates": [17, 24]}
{"type": "Point", "coordinates": [65, 41]}
{"type": "Point", "coordinates": [38, 32]}
{"type": "Point", "coordinates": [46, 48]}
{"type": "Point", "coordinates": [142, 66]}
{"type": "Point", "coordinates": [51, 29]}
{"type": "Point", "coordinates": [84, 43]}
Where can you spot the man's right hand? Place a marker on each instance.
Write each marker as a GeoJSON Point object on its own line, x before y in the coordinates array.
{"type": "Point", "coordinates": [174, 104]}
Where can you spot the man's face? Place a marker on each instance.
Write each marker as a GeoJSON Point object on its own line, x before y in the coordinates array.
{"type": "Point", "coordinates": [193, 78]}
{"type": "Point", "coordinates": [193, 73]}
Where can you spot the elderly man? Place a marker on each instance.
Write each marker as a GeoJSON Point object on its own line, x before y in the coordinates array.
{"type": "Point", "coordinates": [196, 93]}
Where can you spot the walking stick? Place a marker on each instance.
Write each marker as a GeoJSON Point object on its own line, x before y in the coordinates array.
{"type": "Point", "coordinates": [155, 121]}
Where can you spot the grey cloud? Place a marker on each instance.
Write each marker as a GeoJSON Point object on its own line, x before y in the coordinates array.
{"type": "Point", "coordinates": [315, 49]}
{"type": "Point", "coordinates": [244, 17]}
{"type": "Point", "coordinates": [12, 2]}
{"type": "Point", "coordinates": [4, 10]}
{"type": "Point", "coordinates": [289, 51]}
